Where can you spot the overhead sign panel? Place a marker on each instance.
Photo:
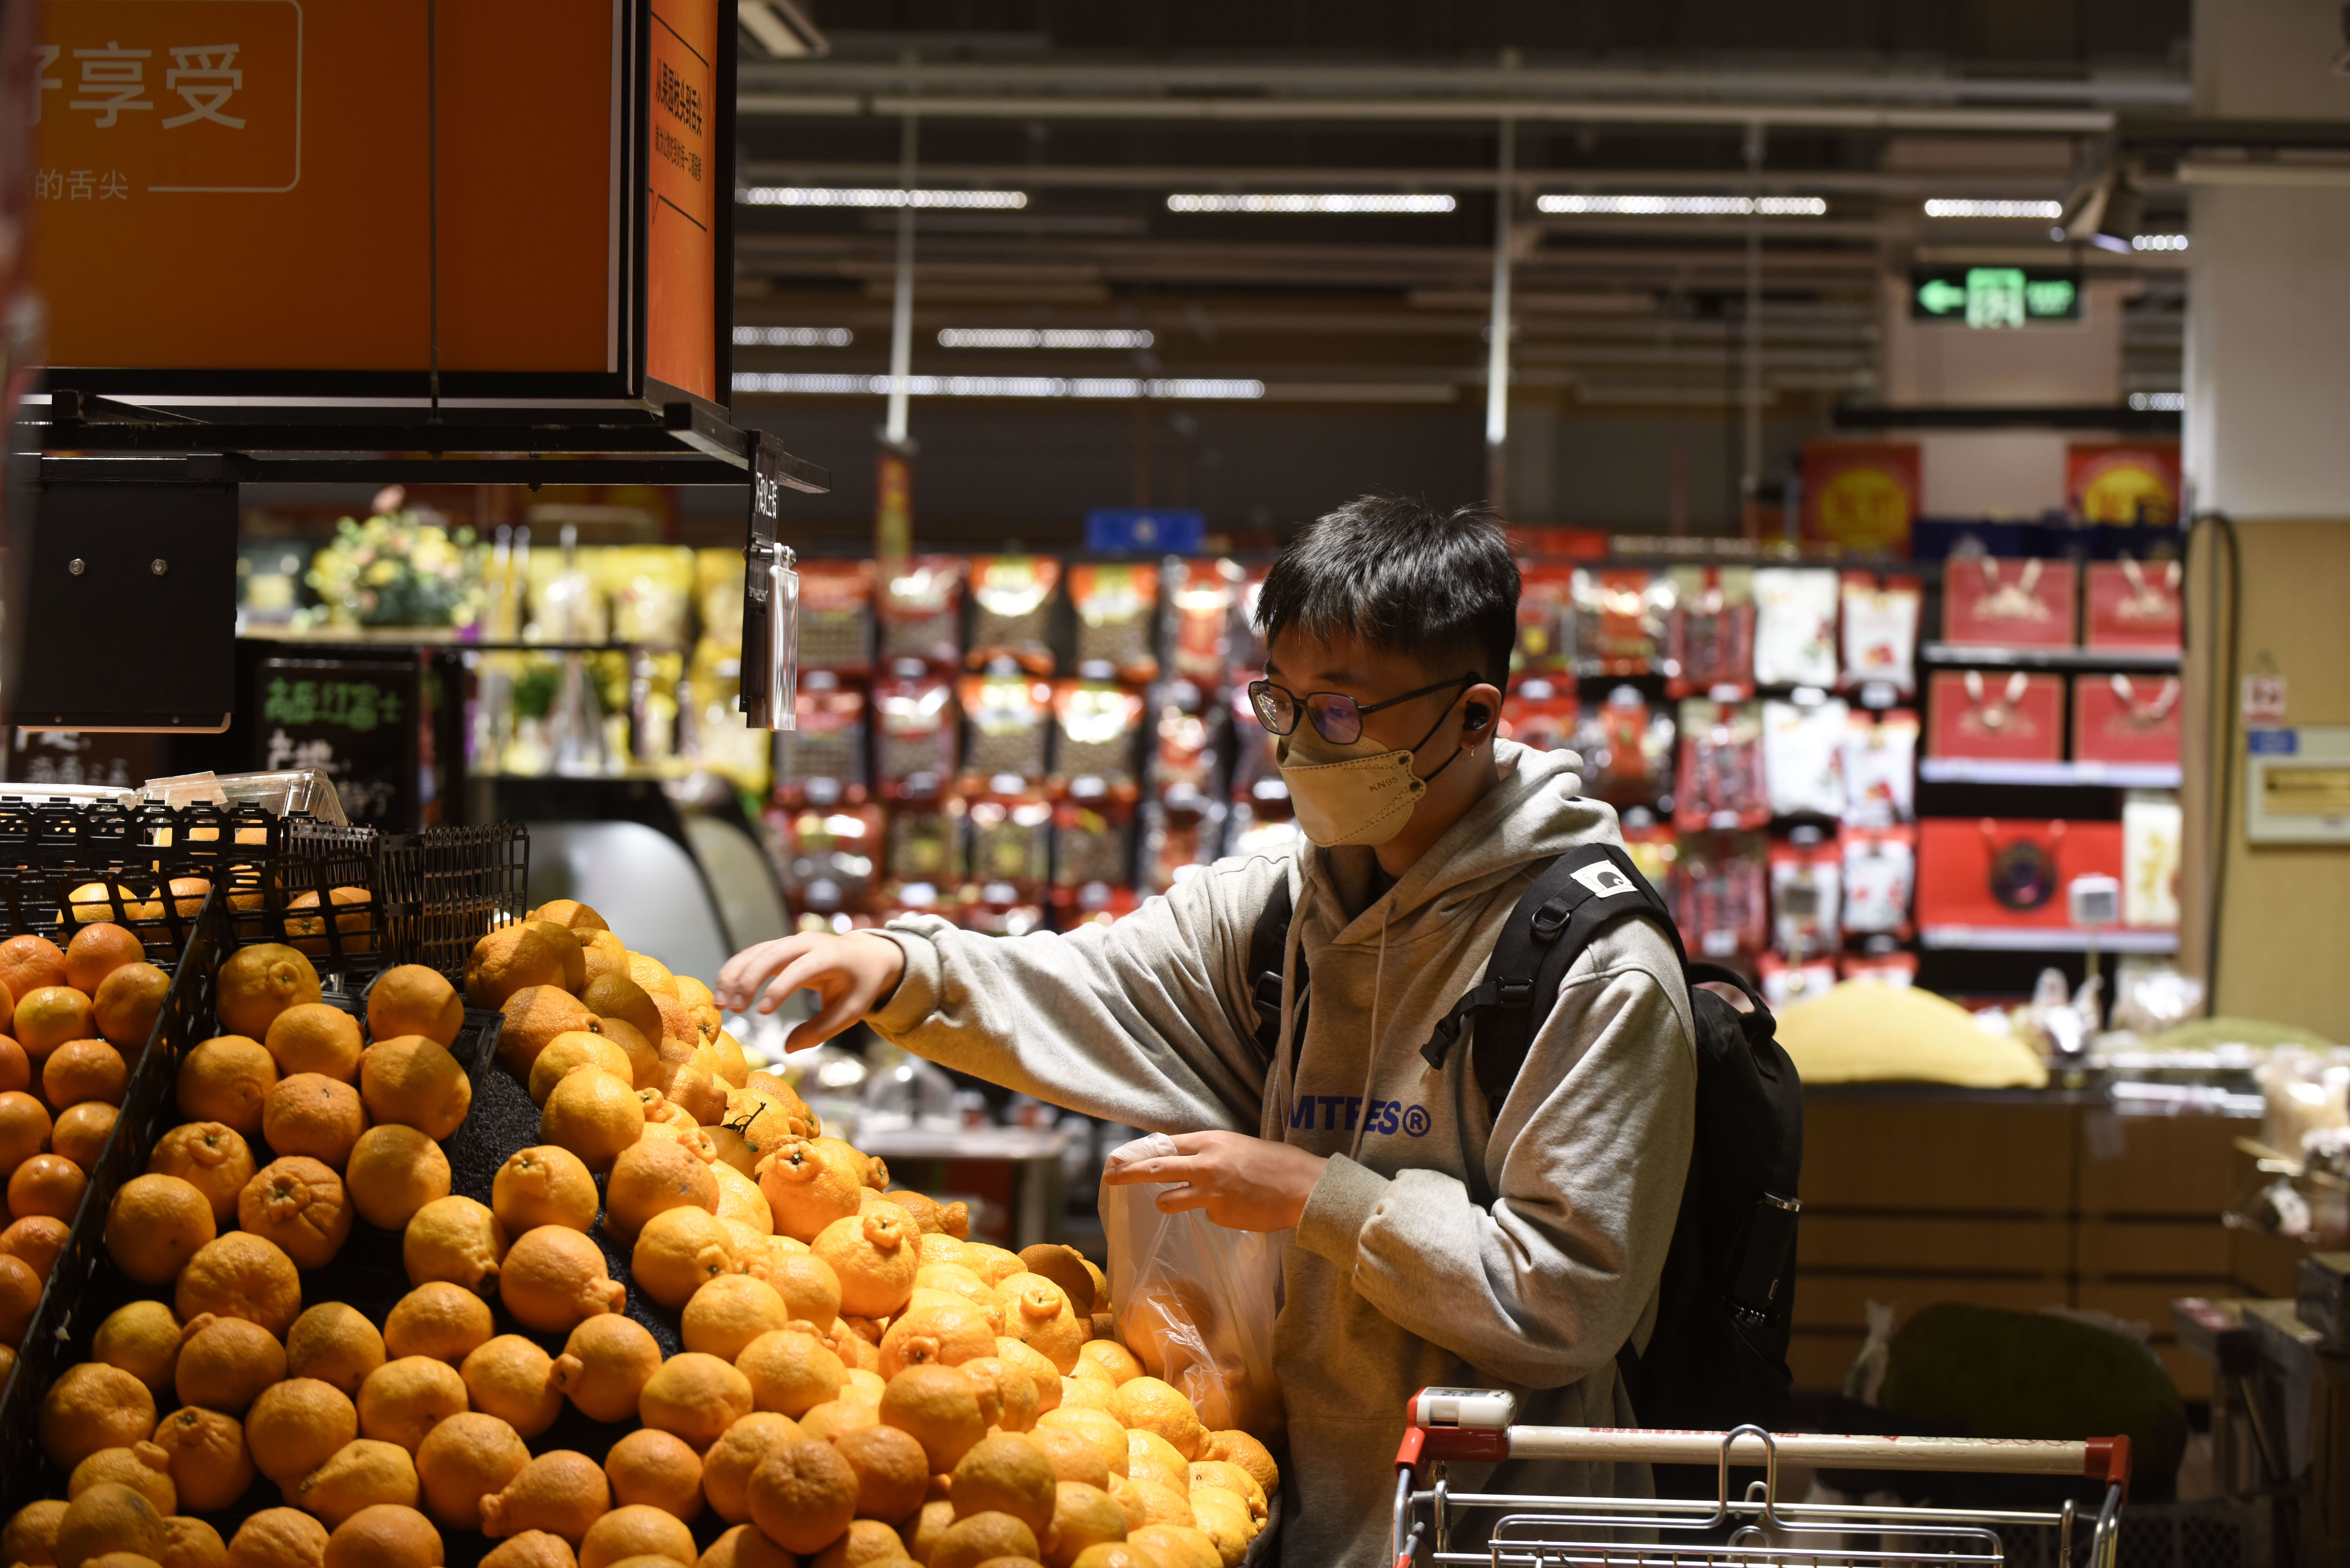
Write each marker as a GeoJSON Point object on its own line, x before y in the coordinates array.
{"type": "Point", "coordinates": [1995, 297]}
{"type": "Point", "coordinates": [308, 198]}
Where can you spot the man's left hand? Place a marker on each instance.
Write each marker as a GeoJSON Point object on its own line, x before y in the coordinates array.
{"type": "Point", "coordinates": [1243, 1183]}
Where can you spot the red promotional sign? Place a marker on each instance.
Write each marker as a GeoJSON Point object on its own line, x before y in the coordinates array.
{"type": "Point", "coordinates": [2137, 482]}
{"type": "Point", "coordinates": [1861, 495]}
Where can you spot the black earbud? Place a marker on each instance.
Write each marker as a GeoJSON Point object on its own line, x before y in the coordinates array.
{"type": "Point", "coordinates": [1477, 717]}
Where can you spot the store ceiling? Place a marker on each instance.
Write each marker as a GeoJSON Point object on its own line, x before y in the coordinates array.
{"type": "Point", "coordinates": [1099, 114]}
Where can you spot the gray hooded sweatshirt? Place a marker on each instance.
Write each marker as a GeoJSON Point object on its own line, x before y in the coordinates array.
{"type": "Point", "coordinates": [1402, 1275]}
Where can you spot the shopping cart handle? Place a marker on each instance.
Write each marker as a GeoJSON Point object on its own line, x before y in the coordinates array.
{"type": "Point", "coordinates": [2108, 1460]}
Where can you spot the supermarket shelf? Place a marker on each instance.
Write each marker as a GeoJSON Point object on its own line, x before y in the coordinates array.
{"type": "Point", "coordinates": [2109, 775]}
{"type": "Point", "coordinates": [2046, 939]}
{"type": "Point", "coordinates": [2123, 658]}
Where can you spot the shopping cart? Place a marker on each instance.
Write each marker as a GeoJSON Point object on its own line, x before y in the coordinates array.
{"type": "Point", "coordinates": [1475, 1426]}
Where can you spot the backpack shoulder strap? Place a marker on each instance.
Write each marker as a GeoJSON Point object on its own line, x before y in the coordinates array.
{"type": "Point", "coordinates": [1587, 888]}
{"type": "Point", "coordinates": [1268, 948]}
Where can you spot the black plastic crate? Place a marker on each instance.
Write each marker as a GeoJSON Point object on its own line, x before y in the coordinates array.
{"type": "Point", "coordinates": [86, 1286]}
{"type": "Point", "coordinates": [447, 887]}
{"type": "Point", "coordinates": [68, 1312]}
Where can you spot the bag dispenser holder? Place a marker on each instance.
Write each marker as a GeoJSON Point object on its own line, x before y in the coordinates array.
{"type": "Point", "coordinates": [770, 602]}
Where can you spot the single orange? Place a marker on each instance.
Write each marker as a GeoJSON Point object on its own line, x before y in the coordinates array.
{"type": "Point", "coordinates": [658, 1470]}
{"type": "Point", "coordinates": [605, 1365]}
{"type": "Point", "coordinates": [335, 1343]}
{"type": "Point", "coordinates": [128, 1003]}
{"type": "Point", "coordinates": [82, 1070]}
{"type": "Point", "coordinates": [225, 1363]}
{"type": "Point", "coordinates": [393, 1172]}
{"type": "Point", "coordinates": [312, 1114]}
{"type": "Point", "coordinates": [36, 1239]}
{"type": "Point", "coordinates": [81, 1131]}
{"type": "Point", "coordinates": [554, 1277]}
{"type": "Point", "coordinates": [520, 956]}
{"type": "Point", "coordinates": [409, 998]}
{"type": "Point", "coordinates": [464, 1459]}
{"type": "Point", "coordinates": [443, 1321]}
{"type": "Point", "coordinates": [97, 950]}
{"type": "Point", "coordinates": [155, 1224]}
{"type": "Point", "coordinates": [803, 1496]}
{"type": "Point", "coordinates": [415, 1082]}
{"type": "Point", "coordinates": [211, 1465]}
{"type": "Point", "coordinates": [226, 1079]}
{"type": "Point", "coordinates": [24, 1129]}
{"type": "Point", "coordinates": [455, 1239]}
{"type": "Point", "coordinates": [46, 1184]}
{"type": "Point", "coordinates": [650, 1176]}
{"type": "Point", "coordinates": [20, 1293]}
{"type": "Point", "coordinates": [538, 1549]}
{"type": "Point", "coordinates": [211, 1157]}
{"type": "Point", "coordinates": [259, 982]}
{"type": "Point", "coordinates": [893, 1473]}
{"type": "Point", "coordinates": [240, 1275]}
{"type": "Point", "coordinates": [16, 1067]}
{"type": "Point", "coordinates": [637, 1532]}
{"type": "Point", "coordinates": [92, 1406]}
{"type": "Point", "coordinates": [529, 1020]}
{"type": "Point", "coordinates": [405, 1398]}
{"type": "Point", "coordinates": [278, 1538]}
{"type": "Point", "coordinates": [29, 963]}
{"type": "Point", "coordinates": [300, 1203]}
{"type": "Point", "coordinates": [543, 1185]}
{"type": "Point", "coordinates": [384, 1535]}
{"type": "Point", "coordinates": [47, 1018]}
{"type": "Point", "coordinates": [562, 1493]}
{"type": "Point", "coordinates": [512, 1379]}
{"type": "Point", "coordinates": [316, 1037]}
{"type": "Point", "coordinates": [694, 1396]}
{"type": "Point", "coordinates": [297, 1425]}
{"type": "Point", "coordinates": [143, 1337]}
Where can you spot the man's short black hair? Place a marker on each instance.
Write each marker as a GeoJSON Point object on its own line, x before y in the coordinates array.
{"type": "Point", "coordinates": [1404, 578]}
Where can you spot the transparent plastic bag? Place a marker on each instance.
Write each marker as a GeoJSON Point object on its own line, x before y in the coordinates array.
{"type": "Point", "coordinates": [1195, 1301]}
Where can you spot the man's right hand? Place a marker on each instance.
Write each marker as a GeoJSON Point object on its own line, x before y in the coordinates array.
{"type": "Point", "coordinates": [850, 976]}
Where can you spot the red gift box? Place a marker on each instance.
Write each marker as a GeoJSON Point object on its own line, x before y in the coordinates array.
{"type": "Point", "coordinates": [1990, 603]}
{"type": "Point", "coordinates": [2134, 603]}
{"type": "Point", "coordinates": [2004, 872]}
{"type": "Point", "coordinates": [2125, 719]}
{"type": "Point", "coordinates": [1996, 715]}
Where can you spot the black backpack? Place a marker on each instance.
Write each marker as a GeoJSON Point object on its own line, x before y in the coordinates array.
{"type": "Point", "coordinates": [1718, 1358]}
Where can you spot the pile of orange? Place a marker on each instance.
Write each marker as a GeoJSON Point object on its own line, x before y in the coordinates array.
{"type": "Point", "coordinates": [71, 1022]}
{"type": "Point", "coordinates": [862, 1383]}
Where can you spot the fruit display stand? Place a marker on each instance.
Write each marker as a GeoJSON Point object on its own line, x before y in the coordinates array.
{"type": "Point", "coordinates": [555, 1370]}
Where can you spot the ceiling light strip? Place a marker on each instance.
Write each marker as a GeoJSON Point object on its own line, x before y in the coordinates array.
{"type": "Point", "coordinates": [1179, 387]}
{"type": "Point", "coordinates": [794, 337]}
{"type": "Point", "coordinates": [1043, 338]}
{"type": "Point", "coordinates": [1969, 207]}
{"type": "Point", "coordinates": [1685, 206]}
{"type": "Point", "coordinates": [871, 196]}
{"type": "Point", "coordinates": [1363, 202]}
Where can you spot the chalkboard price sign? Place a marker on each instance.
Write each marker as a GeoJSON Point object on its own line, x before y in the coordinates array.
{"type": "Point", "coordinates": [357, 722]}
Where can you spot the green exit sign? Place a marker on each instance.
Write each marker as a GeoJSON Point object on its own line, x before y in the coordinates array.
{"type": "Point", "coordinates": [1995, 297]}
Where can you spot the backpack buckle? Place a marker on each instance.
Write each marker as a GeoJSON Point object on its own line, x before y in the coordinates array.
{"type": "Point", "coordinates": [1552, 918]}
{"type": "Point", "coordinates": [1513, 993]}
{"type": "Point", "coordinates": [1267, 991]}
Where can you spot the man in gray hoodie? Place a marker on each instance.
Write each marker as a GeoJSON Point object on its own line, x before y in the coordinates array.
{"type": "Point", "coordinates": [1438, 1240]}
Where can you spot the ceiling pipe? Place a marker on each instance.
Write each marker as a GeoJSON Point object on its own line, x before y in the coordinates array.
{"type": "Point", "coordinates": [1577, 111]}
{"type": "Point", "coordinates": [1095, 77]}
{"type": "Point", "coordinates": [2022, 184]}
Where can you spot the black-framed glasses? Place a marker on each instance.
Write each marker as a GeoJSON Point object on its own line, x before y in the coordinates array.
{"type": "Point", "coordinates": [1337, 718]}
